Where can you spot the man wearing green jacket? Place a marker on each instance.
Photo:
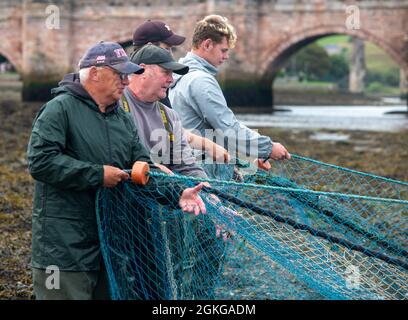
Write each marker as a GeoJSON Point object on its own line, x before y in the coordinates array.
{"type": "Point", "coordinates": [81, 141]}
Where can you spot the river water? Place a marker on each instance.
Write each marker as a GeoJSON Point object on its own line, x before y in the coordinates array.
{"type": "Point", "coordinates": [366, 118]}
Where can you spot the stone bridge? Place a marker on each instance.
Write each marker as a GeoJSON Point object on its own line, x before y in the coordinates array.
{"type": "Point", "coordinates": [45, 39]}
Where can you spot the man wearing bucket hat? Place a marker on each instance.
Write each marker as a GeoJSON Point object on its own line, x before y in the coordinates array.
{"type": "Point", "coordinates": [80, 141]}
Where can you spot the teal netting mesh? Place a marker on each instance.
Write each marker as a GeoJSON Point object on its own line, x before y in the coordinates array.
{"type": "Point", "coordinates": [304, 230]}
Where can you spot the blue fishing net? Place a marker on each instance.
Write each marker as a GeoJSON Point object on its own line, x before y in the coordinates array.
{"type": "Point", "coordinates": [304, 230]}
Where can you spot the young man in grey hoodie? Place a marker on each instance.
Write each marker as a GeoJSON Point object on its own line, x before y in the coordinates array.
{"type": "Point", "coordinates": [198, 98]}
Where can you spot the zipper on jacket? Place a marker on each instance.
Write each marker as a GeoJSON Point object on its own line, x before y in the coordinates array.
{"type": "Point", "coordinates": [105, 117]}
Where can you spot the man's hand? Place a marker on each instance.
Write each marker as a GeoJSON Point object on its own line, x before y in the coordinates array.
{"type": "Point", "coordinates": [112, 176]}
{"type": "Point", "coordinates": [220, 232]}
{"type": "Point", "coordinates": [264, 164]}
{"type": "Point", "coordinates": [164, 169]}
{"type": "Point", "coordinates": [190, 201]}
{"type": "Point", "coordinates": [218, 153]}
{"type": "Point", "coordinates": [279, 152]}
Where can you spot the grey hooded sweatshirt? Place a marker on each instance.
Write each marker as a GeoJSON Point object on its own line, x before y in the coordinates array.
{"type": "Point", "coordinates": [201, 105]}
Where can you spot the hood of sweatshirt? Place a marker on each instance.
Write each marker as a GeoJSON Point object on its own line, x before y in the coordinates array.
{"type": "Point", "coordinates": [194, 62]}
{"type": "Point", "coordinates": [70, 84]}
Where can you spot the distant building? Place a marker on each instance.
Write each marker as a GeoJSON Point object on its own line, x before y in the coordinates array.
{"type": "Point", "coordinates": [333, 49]}
{"type": "Point", "coordinates": [6, 67]}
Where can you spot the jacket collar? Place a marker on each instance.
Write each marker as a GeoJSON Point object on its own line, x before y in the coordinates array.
{"type": "Point", "coordinates": [204, 63]}
{"type": "Point", "coordinates": [70, 83]}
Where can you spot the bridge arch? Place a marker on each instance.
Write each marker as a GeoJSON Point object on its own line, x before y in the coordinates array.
{"type": "Point", "coordinates": [276, 55]}
{"type": "Point", "coordinates": [12, 57]}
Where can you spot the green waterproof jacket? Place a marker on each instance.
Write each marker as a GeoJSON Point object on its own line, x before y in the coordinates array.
{"type": "Point", "coordinates": [70, 142]}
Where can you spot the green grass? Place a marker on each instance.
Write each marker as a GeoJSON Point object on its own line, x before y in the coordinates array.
{"type": "Point", "coordinates": [376, 58]}
{"type": "Point", "coordinates": [378, 89]}
{"type": "Point", "coordinates": [318, 84]}
{"type": "Point", "coordinates": [9, 76]}
{"type": "Point", "coordinates": [305, 84]}
{"type": "Point", "coordinates": [338, 39]}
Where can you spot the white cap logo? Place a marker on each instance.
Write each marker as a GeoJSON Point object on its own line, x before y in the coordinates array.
{"type": "Point", "coordinates": [167, 27]}
{"type": "Point", "coordinates": [100, 59]}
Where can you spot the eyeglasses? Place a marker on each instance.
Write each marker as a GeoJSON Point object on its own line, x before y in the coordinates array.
{"type": "Point", "coordinates": [122, 76]}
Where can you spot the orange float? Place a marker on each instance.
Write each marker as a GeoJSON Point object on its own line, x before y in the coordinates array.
{"type": "Point", "coordinates": [140, 172]}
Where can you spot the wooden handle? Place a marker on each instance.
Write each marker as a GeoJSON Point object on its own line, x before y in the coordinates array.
{"type": "Point", "coordinates": [140, 170]}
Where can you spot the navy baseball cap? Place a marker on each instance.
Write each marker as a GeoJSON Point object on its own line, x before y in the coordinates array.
{"type": "Point", "coordinates": [155, 31]}
{"type": "Point", "coordinates": [151, 54]}
{"type": "Point", "coordinates": [109, 54]}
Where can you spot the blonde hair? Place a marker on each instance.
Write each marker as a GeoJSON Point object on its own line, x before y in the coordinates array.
{"type": "Point", "coordinates": [214, 27]}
